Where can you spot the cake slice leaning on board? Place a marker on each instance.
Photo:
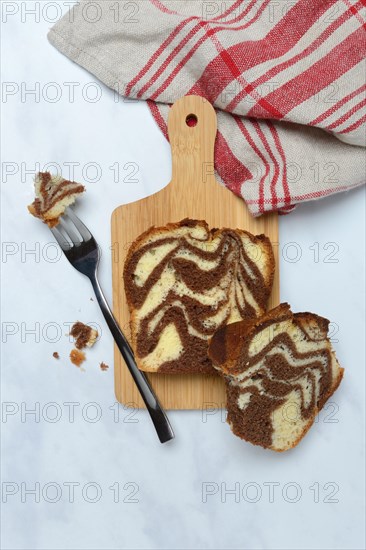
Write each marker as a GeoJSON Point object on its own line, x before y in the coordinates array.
{"type": "Point", "coordinates": [279, 370]}
{"type": "Point", "coordinates": [183, 282]}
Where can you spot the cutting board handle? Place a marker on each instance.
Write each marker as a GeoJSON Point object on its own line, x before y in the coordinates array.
{"type": "Point", "coordinates": [192, 128]}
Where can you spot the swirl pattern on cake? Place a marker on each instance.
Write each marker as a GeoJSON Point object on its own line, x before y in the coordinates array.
{"type": "Point", "coordinates": [184, 281]}
{"type": "Point", "coordinates": [53, 195]}
{"type": "Point", "coordinates": [279, 370]}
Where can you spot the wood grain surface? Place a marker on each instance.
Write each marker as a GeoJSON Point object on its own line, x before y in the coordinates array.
{"type": "Point", "coordinates": [192, 192]}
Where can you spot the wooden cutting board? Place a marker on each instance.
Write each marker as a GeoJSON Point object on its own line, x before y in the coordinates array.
{"type": "Point", "coordinates": [193, 192]}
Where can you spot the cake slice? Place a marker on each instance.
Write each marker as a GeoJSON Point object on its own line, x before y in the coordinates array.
{"type": "Point", "coordinates": [279, 371]}
{"type": "Point", "coordinates": [183, 282]}
{"type": "Point", "coordinates": [53, 195]}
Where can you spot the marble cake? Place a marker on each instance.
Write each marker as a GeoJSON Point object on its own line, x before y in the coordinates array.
{"type": "Point", "coordinates": [53, 195]}
{"type": "Point", "coordinates": [183, 282]}
{"type": "Point", "coordinates": [279, 371]}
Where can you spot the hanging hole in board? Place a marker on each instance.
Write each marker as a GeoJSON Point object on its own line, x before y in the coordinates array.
{"type": "Point", "coordinates": [191, 120]}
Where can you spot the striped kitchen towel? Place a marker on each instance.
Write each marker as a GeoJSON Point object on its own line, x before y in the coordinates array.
{"type": "Point", "coordinates": [287, 79]}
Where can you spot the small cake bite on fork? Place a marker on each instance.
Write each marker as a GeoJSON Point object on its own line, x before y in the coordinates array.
{"type": "Point", "coordinates": [53, 194]}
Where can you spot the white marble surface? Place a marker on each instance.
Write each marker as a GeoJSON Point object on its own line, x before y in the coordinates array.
{"type": "Point", "coordinates": [308, 498]}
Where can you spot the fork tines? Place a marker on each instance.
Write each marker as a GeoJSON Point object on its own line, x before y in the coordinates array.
{"type": "Point", "coordinates": [71, 231]}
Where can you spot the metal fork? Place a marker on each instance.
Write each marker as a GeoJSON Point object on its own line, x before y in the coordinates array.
{"type": "Point", "coordinates": [82, 251]}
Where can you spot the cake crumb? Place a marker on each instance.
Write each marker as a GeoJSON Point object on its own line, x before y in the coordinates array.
{"type": "Point", "coordinates": [56, 355]}
{"type": "Point", "coordinates": [77, 357]}
{"type": "Point", "coordinates": [103, 366]}
{"type": "Point", "coordinates": [85, 336]}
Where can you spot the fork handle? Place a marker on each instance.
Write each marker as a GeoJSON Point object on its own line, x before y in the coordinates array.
{"type": "Point", "coordinates": [157, 414]}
